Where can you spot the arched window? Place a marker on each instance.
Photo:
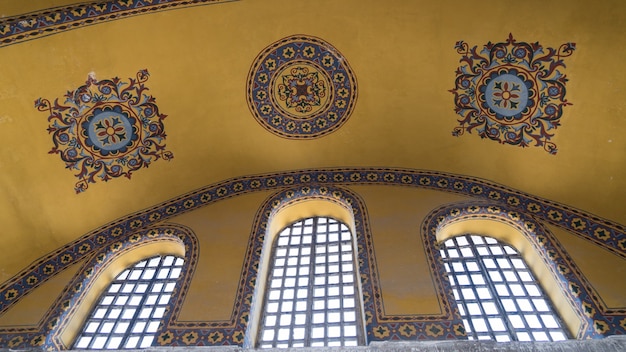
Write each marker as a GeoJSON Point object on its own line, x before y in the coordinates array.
{"type": "Point", "coordinates": [312, 292]}
{"type": "Point", "coordinates": [497, 295]}
{"type": "Point", "coordinates": [128, 314]}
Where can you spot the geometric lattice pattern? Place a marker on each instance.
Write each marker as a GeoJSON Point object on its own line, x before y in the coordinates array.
{"type": "Point", "coordinates": [128, 315]}
{"type": "Point", "coordinates": [488, 200]}
{"type": "Point", "coordinates": [311, 295]}
{"type": "Point", "coordinates": [497, 295]}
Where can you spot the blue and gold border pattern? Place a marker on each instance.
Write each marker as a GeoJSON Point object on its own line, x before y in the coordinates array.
{"type": "Point", "coordinates": [597, 319]}
{"type": "Point", "coordinates": [604, 233]}
{"type": "Point", "coordinates": [17, 29]}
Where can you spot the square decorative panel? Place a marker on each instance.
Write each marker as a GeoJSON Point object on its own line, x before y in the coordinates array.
{"type": "Point", "coordinates": [106, 129]}
{"type": "Point", "coordinates": [511, 92]}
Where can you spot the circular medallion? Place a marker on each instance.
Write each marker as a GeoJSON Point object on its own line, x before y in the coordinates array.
{"type": "Point", "coordinates": [110, 131]}
{"type": "Point", "coordinates": [301, 87]}
{"type": "Point", "coordinates": [506, 94]}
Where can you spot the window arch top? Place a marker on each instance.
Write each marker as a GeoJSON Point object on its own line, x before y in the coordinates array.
{"type": "Point", "coordinates": [129, 313]}
{"type": "Point", "coordinates": [312, 296]}
{"type": "Point", "coordinates": [497, 294]}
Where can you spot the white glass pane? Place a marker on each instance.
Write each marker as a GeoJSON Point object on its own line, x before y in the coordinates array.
{"type": "Point", "coordinates": [92, 327]}
{"type": "Point", "coordinates": [114, 342]}
{"type": "Point", "coordinates": [540, 336]}
{"type": "Point", "coordinates": [334, 331]}
{"type": "Point", "coordinates": [152, 326]}
{"type": "Point", "coordinates": [317, 332]}
{"type": "Point", "coordinates": [99, 342]}
{"type": "Point", "coordinates": [158, 313]}
{"type": "Point", "coordinates": [318, 318]}
{"type": "Point", "coordinates": [83, 342]}
{"type": "Point", "coordinates": [146, 341]}
{"type": "Point", "coordinates": [557, 336]}
{"type": "Point", "coordinates": [532, 321]}
{"type": "Point", "coordinates": [268, 335]}
{"type": "Point", "coordinates": [298, 334]}
{"type": "Point", "coordinates": [139, 327]}
{"type": "Point", "coordinates": [132, 342]}
{"type": "Point", "coordinates": [148, 274]}
{"type": "Point", "coordinates": [549, 321]}
{"type": "Point", "coordinates": [479, 324]}
{"type": "Point", "coordinates": [285, 319]}
{"type": "Point", "coordinates": [128, 313]}
{"type": "Point", "coordinates": [349, 330]}
{"type": "Point", "coordinates": [497, 324]}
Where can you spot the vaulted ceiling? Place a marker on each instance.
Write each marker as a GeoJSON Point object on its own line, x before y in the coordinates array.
{"type": "Point", "coordinates": [201, 62]}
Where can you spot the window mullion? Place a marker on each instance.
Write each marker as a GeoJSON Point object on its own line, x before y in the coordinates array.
{"type": "Point", "coordinates": [309, 306]}
{"type": "Point", "coordinates": [496, 297]}
{"type": "Point", "coordinates": [141, 303]}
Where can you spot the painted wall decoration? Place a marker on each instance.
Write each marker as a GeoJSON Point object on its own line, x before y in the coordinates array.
{"type": "Point", "coordinates": [301, 87]}
{"type": "Point", "coordinates": [106, 129]}
{"type": "Point", "coordinates": [511, 92]}
{"type": "Point", "coordinates": [488, 200]}
{"type": "Point", "coordinates": [17, 29]}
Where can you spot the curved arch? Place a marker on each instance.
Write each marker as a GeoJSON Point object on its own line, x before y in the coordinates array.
{"type": "Point", "coordinates": [571, 294]}
{"type": "Point", "coordinates": [347, 206]}
{"type": "Point", "coordinates": [72, 308]}
{"type": "Point", "coordinates": [607, 234]}
{"type": "Point", "coordinates": [282, 216]}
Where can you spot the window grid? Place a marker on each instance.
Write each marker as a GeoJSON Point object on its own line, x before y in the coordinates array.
{"type": "Point", "coordinates": [312, 296]}
{"type": "Point", "coordinates": [497, 295]}
{"type": "Point", "coordinates": [129, 313]}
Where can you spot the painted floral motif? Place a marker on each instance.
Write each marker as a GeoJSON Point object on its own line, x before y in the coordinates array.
{"type": "Point", "coordinates": [511, 92]}
{"type": "Point", "coordinates": [106, 129]}
{"type": "Point", "coordinates": [302, 90]}
{"type": "Point", "coordinates": [301, 87]}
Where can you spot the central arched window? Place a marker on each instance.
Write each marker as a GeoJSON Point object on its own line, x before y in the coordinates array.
{"type": "Point", "coordinates": [128, 314]}
{"type": "Point", "coordinates": [497, 295]}
{"type": "Point", "coordinates": [312, 294]}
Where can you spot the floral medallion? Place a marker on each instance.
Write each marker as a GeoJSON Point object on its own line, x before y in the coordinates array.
{"type": "Point", "coordinates": [511, 92]}
{"type": "Point", "coordinates": [301, 87]}
{"type": "Point", "coordinates": [106, 129]}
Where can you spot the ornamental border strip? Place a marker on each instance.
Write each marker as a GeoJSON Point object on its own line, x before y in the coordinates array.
{"type": "Point", "coordinates": [43, 23]}
{"type": "Point", "coordinates": [47, 334]}
{"type": "Point", "coordinates": [605, 233]}
{"type": "Point", "coordinates": [442, 326]}
{"type": "Point", "coordinates": [596, 319]}
{"type": "Point", "coordinates": [172, 333]}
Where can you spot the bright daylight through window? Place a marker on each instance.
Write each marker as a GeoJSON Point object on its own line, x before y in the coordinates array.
{"type": "Point", "coordinates": [312, 296]}
{"type": "Point", "coordinates": [497, 295]}
{"type": "Point", "coordinates": [128, 314]}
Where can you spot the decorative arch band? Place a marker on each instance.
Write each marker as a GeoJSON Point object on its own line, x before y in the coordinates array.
{"type": "Point", "coordinates": [48, 334]}
{"type": "Point", "coordinates": [597, 320]}
{"type": "Point", "coordinates": [604, 233]}
{"type": "Point", "coordinates": [21, 28]}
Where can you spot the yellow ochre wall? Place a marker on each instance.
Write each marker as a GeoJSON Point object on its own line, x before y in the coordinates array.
{"type": "Point", "coordinates": [403, 56]}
